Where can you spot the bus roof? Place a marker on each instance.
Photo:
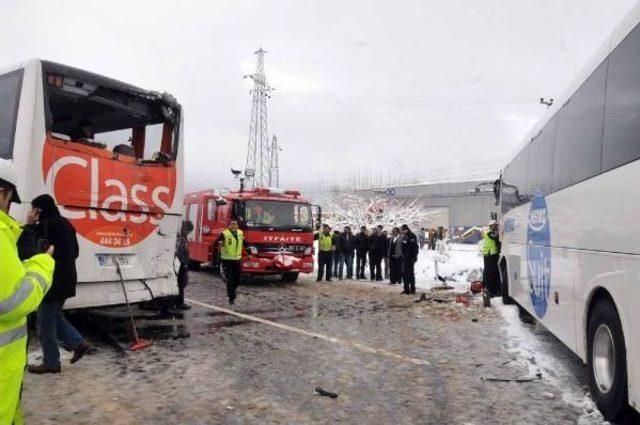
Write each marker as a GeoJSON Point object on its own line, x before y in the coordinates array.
{"type": "Point", "coordinates": [85, 76]}
{"type": "Point", "coordinates": [623, 29]}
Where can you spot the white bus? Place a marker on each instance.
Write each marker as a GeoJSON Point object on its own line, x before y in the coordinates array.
{"type": "Point", "coordinates": [570, 223]}
{"type": "Point", "coordinates": [111, 156]}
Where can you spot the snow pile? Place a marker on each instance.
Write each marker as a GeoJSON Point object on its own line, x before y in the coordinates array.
{"type": "Point", "coordinates": [458, 264]}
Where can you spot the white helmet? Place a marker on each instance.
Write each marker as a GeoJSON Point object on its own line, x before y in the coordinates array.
{"type": "Point", "coordinates": [8, 174]}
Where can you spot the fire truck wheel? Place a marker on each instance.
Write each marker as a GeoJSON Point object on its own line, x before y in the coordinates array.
{"type": "Point", "coordinates": [194, 265]}
{"type": "Point", "coordinates": [290, 277]}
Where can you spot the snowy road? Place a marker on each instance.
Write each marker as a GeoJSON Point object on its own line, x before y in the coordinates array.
{"type": "Point", "coordinates": [390, 359]}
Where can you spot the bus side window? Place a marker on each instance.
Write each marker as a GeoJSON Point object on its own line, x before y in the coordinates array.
{"type": "Point", "coordinates": [9, 100]}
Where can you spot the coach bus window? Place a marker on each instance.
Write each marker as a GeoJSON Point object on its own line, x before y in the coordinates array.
{"type": "Point", "coordinates": [579, 133]}
{"type": "Point", "coordinates": [541, 160]}
{"type": "Point", "coordinates": [101, 113]}
{"type": "Point", "coordinates": [9, 99]}
{"type": "Point", "coordinates": [621, 142]}
{"type": "Point", "coordinates": [514, 181]}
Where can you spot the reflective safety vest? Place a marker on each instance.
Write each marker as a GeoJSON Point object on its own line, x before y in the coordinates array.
{"type": "Point", "coordinates": [231, 245]}
{"type": "Point", "coordinates": [325, 242]}
{"type": "Point", "coordinates": [489, 246]}
{"type": "Point", "coordinates": [22, 288]}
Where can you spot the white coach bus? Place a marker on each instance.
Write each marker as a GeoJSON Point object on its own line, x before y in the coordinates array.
{"type": "Point", "coordinates": [110, 154]}
{"type": "Point", "coordinates": [570, 223]}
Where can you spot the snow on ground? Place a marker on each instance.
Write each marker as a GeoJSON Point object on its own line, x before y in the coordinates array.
{"type": "Point", "coordinates": [459, 264]}
{"type": "Point", "coordinates": [534, 343]}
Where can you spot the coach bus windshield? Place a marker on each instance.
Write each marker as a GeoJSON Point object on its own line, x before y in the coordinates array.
{"type": "Point", "coordinates": [277, 215]}
{"type": "Point", "coordinates": [106, 114]}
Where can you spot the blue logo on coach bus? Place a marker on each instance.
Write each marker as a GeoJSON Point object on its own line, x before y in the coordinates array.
{"type": "Point", "coordinates": [539, 255]}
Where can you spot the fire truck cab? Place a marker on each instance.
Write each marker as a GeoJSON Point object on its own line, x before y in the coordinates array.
{"type": "Point", "coordinates": [277, 224]}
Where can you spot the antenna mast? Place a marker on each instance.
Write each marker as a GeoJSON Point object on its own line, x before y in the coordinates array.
{"type": "Point", "coordinates": [258, 155]}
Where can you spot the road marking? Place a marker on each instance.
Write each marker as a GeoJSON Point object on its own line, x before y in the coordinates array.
{"type": "Point", "coordinates": [339, 341]}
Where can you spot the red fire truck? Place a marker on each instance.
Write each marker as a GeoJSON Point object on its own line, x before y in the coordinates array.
{"type": "Point", "coordinates": [277, 224]}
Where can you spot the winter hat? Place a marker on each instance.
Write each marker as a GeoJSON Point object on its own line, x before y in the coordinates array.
{"type": "Point", "coordinates": [404, 227]}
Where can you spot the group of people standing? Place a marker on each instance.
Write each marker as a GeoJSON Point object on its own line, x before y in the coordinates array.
{"type": "Point", "coordinates": [430, 237]}
{"type": "Point", "coordinates": [391, 257]}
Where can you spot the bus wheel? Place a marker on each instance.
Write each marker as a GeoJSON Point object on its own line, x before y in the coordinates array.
{"type": "Point", "coordinates": [504, 286]}
{"type": "Point", "coordinates": [607, 361]}
{"type": "Point", "coordinates": [290, 277]}
{"type": "Point", "coordinates": [194, 265]}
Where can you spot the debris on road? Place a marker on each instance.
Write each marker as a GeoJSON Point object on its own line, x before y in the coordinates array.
{"type": "Point", "coordinates": [463, 299]}
{"type": "Point", "coordinates": [326, 393]}
{"type": "Point", "coordinates": [519, 380]}
{"type": "Point", "coordinates": [476, 287]}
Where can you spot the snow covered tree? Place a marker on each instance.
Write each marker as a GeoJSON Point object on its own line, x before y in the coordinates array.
{"type": "Point", "coordinates": [356, 211]}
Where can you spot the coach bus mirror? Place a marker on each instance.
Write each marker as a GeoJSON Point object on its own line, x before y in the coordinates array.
{"type": "Point", "coordinates": [497, 185]}
{"type": "Point", "coordinates": [494, 216]}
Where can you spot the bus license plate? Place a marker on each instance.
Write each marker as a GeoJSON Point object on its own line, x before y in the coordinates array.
{"type": "Point", "coordinates": [110, 260]}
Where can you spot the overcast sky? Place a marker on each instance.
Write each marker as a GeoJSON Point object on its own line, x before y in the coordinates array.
{"type": "Point", "coordinates": [420, 88]}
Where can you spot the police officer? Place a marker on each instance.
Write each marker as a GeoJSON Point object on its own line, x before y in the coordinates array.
{"type": "Point", "coordinates": [23, 285]}
{"type": "Point", "coordinates": [491, 255]}
{"type": "Point", "coordinates": [231, 243]}
{"type": "Point", "coordinates": [325, 252]}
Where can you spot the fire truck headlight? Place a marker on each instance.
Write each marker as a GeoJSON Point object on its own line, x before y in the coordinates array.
{"type": "Point", "coordinates": [252, 250]}
{"type": "Point", "coordinates": [308, 250]}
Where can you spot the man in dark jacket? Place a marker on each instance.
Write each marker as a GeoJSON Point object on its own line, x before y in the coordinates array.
{"type": "Point", "coordinates": [53, 229]}
{"type": "Point", "coordinates": [395, 256]}
{"type": "Point", "coordinates": [376, 251]}
{"type": "Point", "coordinates": [337, 255]}
{"type": "Point", "coordinates": [362, 246]}
{"type": "Point", "coordinates": [347, 246]}
{"type": "Point", "coordinates": [182, 254]}
{"type": "Point", "coordinates": [410, 249]}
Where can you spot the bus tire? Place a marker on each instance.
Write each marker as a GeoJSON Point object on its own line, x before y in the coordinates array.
{"type": "Point", "coordinates": [194, 266]}
{"type": "Point", "coordinates": [504, 286]}
{"type": "Point", "coordinates": [290, 277]}
{"type": "Point", "coordinates": [607, 360]}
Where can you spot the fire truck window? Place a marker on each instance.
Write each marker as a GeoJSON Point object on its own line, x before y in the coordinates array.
{"type": "Point", "coordinates": [9, 99]}
{"type": "Point", "coordinates": [211, 210]}
{"type": "Point", "coordinates": [275, 214]}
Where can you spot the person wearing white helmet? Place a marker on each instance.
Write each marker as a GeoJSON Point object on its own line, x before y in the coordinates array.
{"type": "Point", "coordinates": [491, 255]}
{"type": "Point", "coordinates": [23, 285]}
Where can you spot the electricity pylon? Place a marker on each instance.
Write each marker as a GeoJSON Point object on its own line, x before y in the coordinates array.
{"type": "Point", "coordinates": [274, 168]}
{"type": "Point", "coordinates": [258, 158]}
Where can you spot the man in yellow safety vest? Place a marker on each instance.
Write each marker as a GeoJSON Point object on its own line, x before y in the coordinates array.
{"type": "Point", "coordinates": [231, 243]}
{"type": "Point", "coordinates": [22, 288]}
{"type": "Point", "coordinates": [326, 246]}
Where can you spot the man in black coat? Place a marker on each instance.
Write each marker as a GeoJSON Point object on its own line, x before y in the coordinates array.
{"type": "Point", "coordinates": [362, 246]}
{"type": "Point", "coordinates": [53, 229]}
{"type": "Point", "coordinates": [377, 246]}
{"type": "Point", "coordinates": [182, 254]}
{"type": "Point", "coordinates": [410, 249]}
{"type": "Point", "coordinates": [346, 247]}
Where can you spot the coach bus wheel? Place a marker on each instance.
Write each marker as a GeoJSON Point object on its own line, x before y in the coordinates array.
{"type": "Point", "coordinates": [290, 277]}
{"type": "Point", "coordinates": [504, 286]}
{"type": "Point", "coordinates": [607, 361]}
{"type": "Point", "coordinates": [194, 265]}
